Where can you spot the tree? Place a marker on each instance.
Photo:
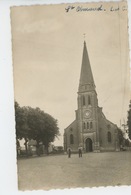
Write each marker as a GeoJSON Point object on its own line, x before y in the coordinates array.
{"type": "Point", "coordinates": [43, 127]}
{"type": "Point", "coordinates": [21, 125]}
{"type": "Point", "coordinates": [51, 130]}
{"type": "Point", "coordinates": [127, 143]}
{"type": "Point", "coordinates": [36, 125]}
{"type": "Point", "coordinates": [33, 123]}
{"type": "Point", "coordinates": [120, 136]}
{"type": "Point", "coordinates": [129, 120]}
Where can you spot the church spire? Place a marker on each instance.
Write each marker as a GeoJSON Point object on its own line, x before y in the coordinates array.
{"type": "Point", "coordinates": [86, 78]}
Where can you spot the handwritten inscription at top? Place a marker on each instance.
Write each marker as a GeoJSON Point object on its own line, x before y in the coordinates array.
{"type": "Point", "coordinates": [92, 9]}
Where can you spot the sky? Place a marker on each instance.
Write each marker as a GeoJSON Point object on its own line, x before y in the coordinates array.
{"type": "Point", "coordinates": [47, 45]}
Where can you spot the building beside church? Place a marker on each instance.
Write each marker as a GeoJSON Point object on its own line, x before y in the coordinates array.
{"type": "Point", "coordinates": [90, 130]}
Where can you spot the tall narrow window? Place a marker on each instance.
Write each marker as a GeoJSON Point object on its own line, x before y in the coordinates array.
{"type": "Point", "coordinates": [84, 125]}
{"type": "Point", "coordinates": [91, 125]}
{"type": "Point", "coordinates": [71, 139]}
{"type": "Point", "coordinates": [109, 137]}
{"type": "Point", "coordinates": [83, 100]}
{"type": "Point", "coordinates": [89, 100]}
{"type": "Point", "coordinates": [87, 125]}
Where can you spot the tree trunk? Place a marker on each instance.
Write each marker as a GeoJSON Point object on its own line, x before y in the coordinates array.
{"type": "Point", "coordinates": [26, 148]}
{"type": "Point", "coordinates": [18, 147]}
{"type": "Point", "coordinates": [38, 148]}
{"type": "Point", "coordinates": [47, 150]}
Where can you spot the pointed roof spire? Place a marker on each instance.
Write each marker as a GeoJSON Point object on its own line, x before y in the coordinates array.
{"type": "Point", "coordinates": [86, 77]}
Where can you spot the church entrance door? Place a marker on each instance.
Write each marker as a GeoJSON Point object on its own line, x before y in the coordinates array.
{"type": "Point", "coordinates": [88, 143]}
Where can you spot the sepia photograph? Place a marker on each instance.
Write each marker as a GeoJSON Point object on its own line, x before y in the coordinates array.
{"type": "Point", "coordinates": [71, 75]}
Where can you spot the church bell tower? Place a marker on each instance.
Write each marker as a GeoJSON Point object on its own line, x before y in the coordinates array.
{"type": "Point", "coordinates": [87, 112]}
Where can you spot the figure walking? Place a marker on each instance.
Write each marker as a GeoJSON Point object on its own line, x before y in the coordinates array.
{"type": "Point", "coordinates": [80, 151]}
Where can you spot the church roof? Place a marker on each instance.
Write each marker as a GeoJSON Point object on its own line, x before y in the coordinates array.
{"type": "Point", "coordinates": [71, 125]}
{"type": "Point", "coordinates": [86, 76]}
{"type": "Point", "coordinates": [102, 115]}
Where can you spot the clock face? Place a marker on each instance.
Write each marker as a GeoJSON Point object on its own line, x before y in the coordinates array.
{"type": "Point", "coordinates": [87, 114]}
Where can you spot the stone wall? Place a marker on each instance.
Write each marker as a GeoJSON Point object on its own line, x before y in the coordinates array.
{"type": "Point", "coordinates": [71, 130]}
{"type": "Point", "coordinates": [107, 134]}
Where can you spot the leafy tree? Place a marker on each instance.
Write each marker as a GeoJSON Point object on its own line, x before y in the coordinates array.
{"type": "Point", "coordinates": [50, 131]}
{"type": "Point", "coordinates": [36, 125]}
{"type": "Point", "coordinates": [21, 124]}
{"type": "Point", "coordinates": [129, 120]}
{"type": "Point", "coordinates": [43, 127]}
{"type": "Point", "coordinates": [120, 136]}
{"type": "Point", "coordinates": [127, 143]}
{"type": "Point", "coordinates": [33, 123]}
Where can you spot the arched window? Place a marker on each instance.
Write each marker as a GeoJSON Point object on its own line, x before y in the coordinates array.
{"type": "Point", "coordinates": [109, 137]}
{"type": "Point", "coordinates": [84, 125]}
{"type": "Point", "coordinates": [89, 100]}
{"type": "Point", "coordinates": [91, 125]}
{"type": "Point", "coordinates": [83, 100]}
{"type": "Point", "coordinates": [71, 139]}
{"type": "Point", "coordinates": [87, 125]}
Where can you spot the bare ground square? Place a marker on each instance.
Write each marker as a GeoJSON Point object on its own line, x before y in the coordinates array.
{"type": "Point", "coordinates": [59, 172]}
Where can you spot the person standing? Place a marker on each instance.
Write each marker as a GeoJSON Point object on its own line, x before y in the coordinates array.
{"type": "Point", "coordinates": [80, 151]}
{"type": "Point", "coordinates": [69, 152]}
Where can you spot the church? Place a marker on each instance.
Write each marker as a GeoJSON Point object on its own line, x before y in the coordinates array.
{"type": "Point", "coordinates": [90, 129]}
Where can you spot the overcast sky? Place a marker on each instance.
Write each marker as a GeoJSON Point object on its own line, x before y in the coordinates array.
{"type": "Point", "coordinates": [47, 55]}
